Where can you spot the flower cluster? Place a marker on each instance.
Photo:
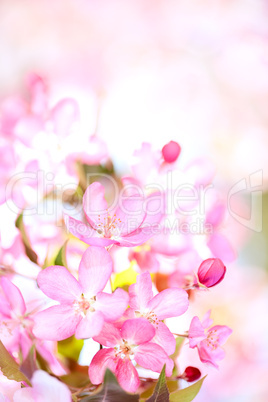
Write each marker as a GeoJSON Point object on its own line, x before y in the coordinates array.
{"type": "Point", "coordinates": [132, 262]}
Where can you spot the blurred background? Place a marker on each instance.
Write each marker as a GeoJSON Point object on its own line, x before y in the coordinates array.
{"type": "Point", "coordinates": [192, 71]}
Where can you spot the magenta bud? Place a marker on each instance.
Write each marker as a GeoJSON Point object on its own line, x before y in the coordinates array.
{"type": "Point", "coordinates": [171, 151]}
{"type": "Point", "coordinates": [191, 374]}
{"type": "Point", "coordinates": [211, 272]}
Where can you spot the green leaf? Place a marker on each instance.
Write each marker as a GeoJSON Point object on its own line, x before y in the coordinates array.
{"type": "Point", "coordinates": [187, 394]}
{"type": "Point", "coordinates": [161, 393]}
{"type": "Point", "coordinates": [26, 242]}
{"type": "Point", "coordinates": [70, 347]}
{"type": "Point", "coordinates": [111, 391]}
{"type": "Point", "coordinates": [61, 256]}
{"type": "Point", "coordinates": [29, 365]}
{"type": "Point", "coordinates": [9, 367]}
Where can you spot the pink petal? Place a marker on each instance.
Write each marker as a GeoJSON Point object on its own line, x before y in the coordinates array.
{"type": "Point", "coordinates": [50, 389]}
{"type": "Point", "coordinates": [112, 305]}
{"type": "Point", "coordinates": [24, 395]}
{"type": "Point", "coordinates": [146, 260]}
{"type": "Point", "coordinates": [207, 355]}
{"type": "Point", "coordinates": [127, 375]}
{"type": "Point", "coordinates": [58, 284]}
{"type": "Point", "coordinates": [103, 359]}
{"type": "Point", "coordinates": [207, 321]}
{"type": "Point", "coordinates": [222, 333]}
{"type": "Point", "coordinates": [91, 325]}
{"type": "Point", "coordinates": [86, 233]}
{"type": "Point", "coordinates": [211, 272]}
{"type": "Point", "coordinates": [137, 331]}
{"type": "Point", "coordinates": [13, 296]}
{"type": "Point", "coordinates": [131, 213]}
{"type": "Point", "coordinates": [109, 336]}
{"type": "Point", "coordinates": [136, 238]}
{"type": "Point", "coordinates": [95, 270]}
{"type": "Point", "coordinates": [94, 204]}
{"type": "Point", "coordinates": [155, 208]}
{"type": "Point", "coordinates": [151, 356]}
{"type": "Point", "coordinates": [221, 248]}
{"type": "Point", "coordinates": [63, 115]}
{"type": "Point", "coordinates": [164, 338]}
{"type": "Point", "coordinates": [141, 292]}
{"type": "Point", "coordinates": [56, 323]}
{"type": "Point", "coordinates": [196, 332]}
{"type": "Point", "coordinates": [169, 303]}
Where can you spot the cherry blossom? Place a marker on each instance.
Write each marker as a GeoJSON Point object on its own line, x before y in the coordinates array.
{"type": "Point", "coordinates": [126, 225]}
{"type": "Point", "coordinates": [208, 341]}
{"type": "Point", "coordinates": [83, 307]}
{"type": "Point", "coordinates": [132, 343]}
{"type": "Point", "coordinates": [171, 302]}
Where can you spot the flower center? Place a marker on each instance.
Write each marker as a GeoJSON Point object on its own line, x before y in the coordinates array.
{"type": "Point", "coordinates": [212, 339]}
{"type": "Point", "coordinates": [83, 305]}
{"type": "Point", "coordinates": [150, 316]}
{"type": "Point", "coordinates": [123, 350]}
{"type": "Point", "coordinates": [107, 225]}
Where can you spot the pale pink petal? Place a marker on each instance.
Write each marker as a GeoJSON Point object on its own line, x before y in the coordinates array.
{"type": "Point", "coordinates": [94, 204]}
{"type": "Point", "coordinates": [169, 303]}
{"type": "Point", "coordinates": [112, 305]}
{"type": "Point", "coordinates": [95, 270]}
{"type": "Point", "coordinates": [63, 115]}
{"type": "Point", "coordinates": [86, 233]}
{"type": "Point", "coordinates": [153, 357]}
{"type": "Point", "coordinates": [222, 333]}
{"type": "Point", "coordinates": [196, 332]}
{"type": "Point", "coordinates": [216, 214]}
{"type": "Point", "coordinates": [209, 355]}
{"type": "Point", "coordinates": [221, 248]}
{"type": "Point", "coordinates": [165, 338]}
{"type": "Point", "coordinates": [58, 284]}
{"type": "Point", "coordinates": [56, 323]}
{"type": "Point", "coordinates": [137, 331]}
{"type": "Point", "coordinates": [13, 296]}
{"type": "Point", "coordinates": [109, 336]}
{"type": "Point", "coordinates": [127, 375]}
{"type": "Point", "coordinates": [130, 214]}
{"type": "Point", "coordinates": [91, 325]}
{"type": "Point", "coordinates": [138, 237]}
{"type": "Point", "coordinates": [24, 395]}
{"type": "Point", "coordinates": [155, 208]}
{"type": "Point", "coordinates": [207, 321]}
{"type": "Point", "coordinates": [141, 292]}
{"type": "Point", "coordinates": [103, 359]}
{"type": "Point", "coordinates": [49, 388]}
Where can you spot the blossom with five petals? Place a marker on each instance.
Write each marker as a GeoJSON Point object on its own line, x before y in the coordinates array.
{"type": "Point", "coordinates": [208, 342]}
{"type": "Point", "coordinates": [132, 342]}
{"type": "Point", "coordinates": [83, 307]}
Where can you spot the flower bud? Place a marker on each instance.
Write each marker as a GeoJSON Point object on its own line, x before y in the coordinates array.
{"type": "Point", "coordinates": [171, 151]}
{"type": "Point", "coordinates": [211, 272]}
{"type": "Point", "coordinates": [191, 374]}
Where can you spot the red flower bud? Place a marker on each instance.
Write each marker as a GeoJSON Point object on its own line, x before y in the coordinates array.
{"type": "Point", "coordinates": [191, 374]}
{"type": "Point", "coordinates": [211, 272]}
{"type": "Point", "coordinates": [171, 151]}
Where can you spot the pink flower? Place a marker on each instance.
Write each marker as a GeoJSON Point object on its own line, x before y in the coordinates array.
{"type": "Point", "coordinates": [16, 325]}
{"type": "Point", "coordinates": [126, 225]}
{"type": "Point", "coordinates": [170, 302]}
{"type": "Point", "coordinates": [131, 342]}
{"type": "Point", "coordinates": [211, 272]}
{"type": "Point", "coordinates": [83, 307]}
{"type": "Point", "coordinates": [44, 388]}
{"type": "Point", "coordinates": [171, 152]}
{"type": "Point", "coordinates": [208, 342]}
